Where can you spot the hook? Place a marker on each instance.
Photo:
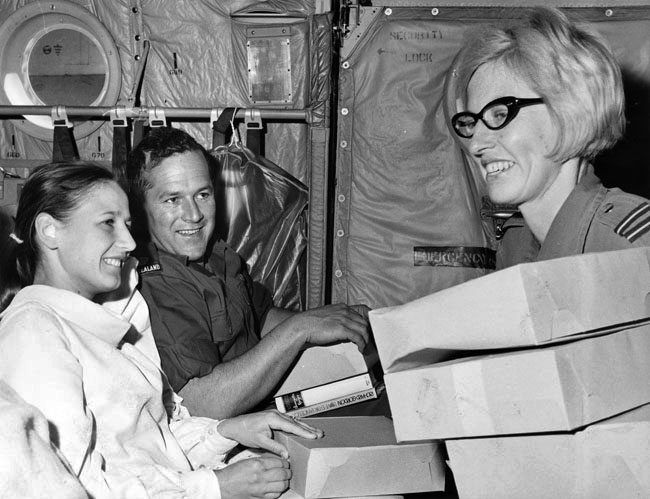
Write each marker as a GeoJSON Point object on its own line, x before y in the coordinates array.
{"type": "Point", "coordinates": [60, 117]}
{"type": "Point", "coordinates": [157, 118]}
{"type": "Point", "coordinates": [118, 116]}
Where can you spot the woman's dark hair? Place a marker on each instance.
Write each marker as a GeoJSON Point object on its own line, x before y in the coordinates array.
{"type": "Point", "coordinates": [55, 189]}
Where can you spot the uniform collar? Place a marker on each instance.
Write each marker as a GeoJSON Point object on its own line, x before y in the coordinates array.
{"type": "Point", "coordinates": [153, 254]}
{"type": "Point", "coordinates": [85, 314]}
{"type": "Point", "coordinates": [569, 229]}
{"type": "Point", "coordinates": [218, 260]}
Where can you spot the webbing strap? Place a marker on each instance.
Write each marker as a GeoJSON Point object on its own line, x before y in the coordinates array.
{"type": "Point", "coordinates": [254, 131]}
{"type": "Point", "coordinates": [121, 145]}
{"type": "Point", "coordinates": [64, 147]}
{"type": "Point", "coordinates": [221, 125]}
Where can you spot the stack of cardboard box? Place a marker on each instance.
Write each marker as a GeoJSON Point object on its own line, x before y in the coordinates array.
{"type": "Point", "coordinates": [358, 457]}
{"type": "Point", "coordinates": [527, 374]}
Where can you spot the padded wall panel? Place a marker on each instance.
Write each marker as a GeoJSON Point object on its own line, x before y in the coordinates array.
{"type": "Point", "coordinates": [198, 58]}
{"type": "Point", "coordinates": [402, 179]}
{"type": "Point", "coordinates": [207, 43]}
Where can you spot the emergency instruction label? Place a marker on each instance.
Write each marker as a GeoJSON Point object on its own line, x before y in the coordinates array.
{"type": "Point", "coordinates": [454, 256]}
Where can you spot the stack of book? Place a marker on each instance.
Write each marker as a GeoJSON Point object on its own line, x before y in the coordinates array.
{"type": "Point", "coordinates": [538, 391]}
{"type": "Point", "coordinates": [325, 378]}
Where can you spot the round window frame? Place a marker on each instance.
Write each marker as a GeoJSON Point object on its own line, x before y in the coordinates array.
{"type": "Point", "coordinates": [20, 32]}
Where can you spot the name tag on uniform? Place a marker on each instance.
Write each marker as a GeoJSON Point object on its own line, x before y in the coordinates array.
{"type": "Point", "coordinates": [149, 268]}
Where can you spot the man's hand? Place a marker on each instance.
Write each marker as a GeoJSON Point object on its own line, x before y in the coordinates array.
{"type": "Point", "coordinates": [261, 477]}
{"type": "Point", "coordinates": [256, 430]}
{"type": "Point", "coordinates": [331, 324]}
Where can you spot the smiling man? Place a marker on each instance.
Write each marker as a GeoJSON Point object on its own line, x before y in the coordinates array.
{"type": "Point", "coordinates": [222, 343]}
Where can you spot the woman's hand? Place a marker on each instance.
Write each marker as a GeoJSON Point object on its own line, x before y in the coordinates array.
{"type": "Point", "coordinates": [261, 477]}
{"type": "Point", "coordinates": [256, 430]}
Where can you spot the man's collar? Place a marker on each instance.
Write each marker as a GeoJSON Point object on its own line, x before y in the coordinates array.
{"type": "Point", "coordinates": [150, 258]}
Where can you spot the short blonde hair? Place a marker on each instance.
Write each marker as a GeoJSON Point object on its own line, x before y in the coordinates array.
{"type": "Point", "coordinates": [572, 69]}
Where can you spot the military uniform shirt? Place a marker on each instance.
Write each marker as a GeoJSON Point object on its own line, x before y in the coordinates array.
{"type": "Point", "coordinates": [592, 219]}
{"type": "Point", "coordinates": [202, 314]}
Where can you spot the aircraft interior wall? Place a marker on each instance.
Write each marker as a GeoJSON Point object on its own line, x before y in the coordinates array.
{"type": "Point", "coordinates": [410, 214]}
{"type": "Point", "coordinates": [395, 210]}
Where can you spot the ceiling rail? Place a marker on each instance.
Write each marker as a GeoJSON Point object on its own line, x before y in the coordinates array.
{"type": "Point", "coordinates": [144, 112]}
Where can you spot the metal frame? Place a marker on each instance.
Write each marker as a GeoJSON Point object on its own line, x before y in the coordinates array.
{"type": "Point", "coordinates": [103, 112]}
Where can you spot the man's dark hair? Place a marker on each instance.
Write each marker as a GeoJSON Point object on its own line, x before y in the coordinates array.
{"type": "Point", "coordinates": [156, 146]}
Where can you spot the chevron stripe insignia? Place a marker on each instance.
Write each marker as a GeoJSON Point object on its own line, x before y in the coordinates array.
{"type": "Point", "coordinates": [635, 224]}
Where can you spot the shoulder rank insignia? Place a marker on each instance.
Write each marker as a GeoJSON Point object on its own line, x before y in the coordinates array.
{"type": "Point", "coordinates": [635, 223]}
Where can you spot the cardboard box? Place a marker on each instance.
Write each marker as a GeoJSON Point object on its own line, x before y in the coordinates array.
{"type": "Point", "coordinates": [524, 305]}
{"type": "Point", "coordinates": [358, 456]}
{"type": "Point", "coordinates": [545, 389]}
{"type": "Point", "coordinates": [290, 494]}
{"type": "Point", "coordinates": [319, 365]}
{"type": "Point", "coordinates": [606, 460]}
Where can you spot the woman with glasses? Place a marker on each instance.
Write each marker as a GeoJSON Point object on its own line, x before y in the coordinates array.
{"type": "Point", "coordinates": [539, 99]}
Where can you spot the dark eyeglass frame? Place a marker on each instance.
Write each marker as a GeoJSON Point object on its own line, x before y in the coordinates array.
{"type": "Point", "coordinates": [513, 105]}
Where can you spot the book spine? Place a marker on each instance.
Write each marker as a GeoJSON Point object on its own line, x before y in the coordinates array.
{"type": "Point", "coordinates": [323, 393]}
{"type": "Point", "coordinates": [328, 405]}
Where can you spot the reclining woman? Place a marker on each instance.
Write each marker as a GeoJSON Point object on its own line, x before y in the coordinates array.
{"type": "Point", "coordinates": [93, 369]}
{"type": "Point", "coordinates": [540, 98]}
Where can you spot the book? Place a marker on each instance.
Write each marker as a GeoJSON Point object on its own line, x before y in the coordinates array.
{"type": "Point", "coordinates": [329, 405]}
{"type": "Point", "coordinates": [323, 393]}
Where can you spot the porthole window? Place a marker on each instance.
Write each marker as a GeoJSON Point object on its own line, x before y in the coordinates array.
{"type": "Point", "coordinates": [57, 53]}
